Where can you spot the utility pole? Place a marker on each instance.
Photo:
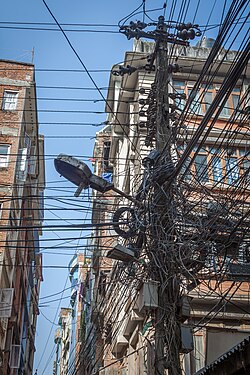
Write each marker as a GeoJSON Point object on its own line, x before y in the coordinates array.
{"type": "Point", "coordinates": [167, 341]}
{"type": "Point", "coordinates": [167, 327]}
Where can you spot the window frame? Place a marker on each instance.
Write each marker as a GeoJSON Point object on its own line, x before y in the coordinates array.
{"type": "Point", "coordinates": [199, 105]}
{"type": "Point", "coordinates": [221, 157]}
{"type": "Point", "coordinates": [7, 155]}
{"type": "Point", "coordinates": [5, 97]}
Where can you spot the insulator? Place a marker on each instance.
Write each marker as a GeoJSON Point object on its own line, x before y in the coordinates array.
{"type": "Point", "coordinates": [180, 26]}
{"type": "Point", "coordinates": [173, 68]}
{"type": "Point", "coordinates": [142, 113]}
{"type": "Point", "coordinates": [189, 25]}
{"type": "Point", "coordinates": [142, 91]}
{"type": "Point", "coordinates": [149, 67]}
{"type": "Point", "coordinates": [141, 25]}
{"type": "Point", "coordinates": [183, 34]}
{"type": "Point", "coordinates": [130, 34]}
{"type": "Point", "coordinates": [142, 124]}
{"type": "Point", "coordinates": [137, 25]}
{"type": "Point", "coordinates": [132, 25]}
{"type": "Point", "coordinates": [161, 23]}
{"type": "Point", "coordinates": [191, 34]}
{"type": "Point", "coordinates": [142, 101]}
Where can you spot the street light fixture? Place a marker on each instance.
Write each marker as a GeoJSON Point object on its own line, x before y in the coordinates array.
{"type": "Point", "coordinates": [77, 172]}
{"type": "Point", "coordinates": [122, 253]}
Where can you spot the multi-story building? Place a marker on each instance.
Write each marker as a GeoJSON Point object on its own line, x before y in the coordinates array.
{"type": "Point", "coordinates": [102, 240]}
{"type": "Point", "coordinates": [22, 181]}
{"type": "Point", "coordinates": [62, 341]}
{"type": "Point", "coordinates": [78, 269]}
{"type": "Point", "coordinates": [70, 336]}
{"type": "Point", "coordinates": [211, 198]}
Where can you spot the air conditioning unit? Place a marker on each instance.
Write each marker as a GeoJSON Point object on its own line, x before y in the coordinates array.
{"type": "Point", "coordinates": [6, 299]}
{"type": "Point", "coordinates": [120, 344]}
{"type": "Point", "coordinates": [133, 319]}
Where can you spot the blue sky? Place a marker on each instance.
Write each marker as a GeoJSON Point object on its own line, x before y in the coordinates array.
{"type": "Point", "coordinates": [51, 51]}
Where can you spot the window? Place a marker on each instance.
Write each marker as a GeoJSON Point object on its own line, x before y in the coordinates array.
{"type": "Point", "coordinates": [106, 152]}
{"type": "Point", "coordinates": [22, 164]}
{"type": "Point", "coordinates": [202, 98]}
{"type": "Point", "coordinates": [195, 106]}
{"type": "Point", "coordinates": [226, 111]}
{"type": "Point", "coordinates": [232, 169]}
{"type": "Point", "coordinates": [185, 170]}
{"type": "Point", "coordinates": [208, 97]}
{"type": "Point", "coordinates": [9, 100]}
{"type": "Point", "coordinates": [4, 155]}
{"type": "Point", "coordinates": [6, 299]}
{"type": "Point", "coordinates": [179, 87]}
{"type": "Point", "coordinates": [245, 163]}
{"type": "Point", "coordinates": [218, 165]}
{"type": "Point", "coordinates": [201, 165]}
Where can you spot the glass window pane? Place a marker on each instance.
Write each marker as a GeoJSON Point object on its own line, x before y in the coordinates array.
{"type": "Point", "coordinates": [201, 168]}
{"type": "Point", "coordinates": [236, 100]}
{"type": "Point", "coordinates": [226, 110]}
{"type": "Point", "coordinates": [179, 83]}
{"type": "Point", "coordinates": [4, 149]}
{"type": "Point", "coordinates": [214, 150]}
{"type": "Point", "coordinates": [217, 168]}
{"type": "Point", "coordinates": [245, 151]}
{"type": "Point", "coordinates": [180, 102]}
{"type": "Point", "coordinates": [4, 155]}
{"type": "Point", "coordinates": [208, 97]}
{"type": "Point", "coordinates": [245, 164]}
{"type": "Point", "coordinates": [196, 102]}
{"type": "Point", "coordinates": [9, 100]}
{"type": "Point", "coordinates": [201, 150]}
{"type": "Point", "coordinates": [207, 86]}
{"type": "Point", "coordinates": [232, 169]}
{"type": "Point", "coordinates": [188, 175]}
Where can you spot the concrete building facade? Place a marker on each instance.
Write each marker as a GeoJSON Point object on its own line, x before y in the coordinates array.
{"type": "Point", "coordinates": [213, 309]}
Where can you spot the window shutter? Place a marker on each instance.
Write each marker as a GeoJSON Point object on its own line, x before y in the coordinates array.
{"type": "Point", "coordinates": [27, 143]}
{"type": "Point", "coordinates": [32, 161]}
{"type": "Point", "coordinates": [22, 164]}
{"type": "Point", "coordinates": [15, 356]}
{"type": "Point", "coordinates": [6, 298]}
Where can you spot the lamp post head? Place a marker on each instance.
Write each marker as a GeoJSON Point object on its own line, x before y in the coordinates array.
{"type": "Point", "coordinates": [73, 170]}
{"type": "Point", "coordinates": [77, 172]}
